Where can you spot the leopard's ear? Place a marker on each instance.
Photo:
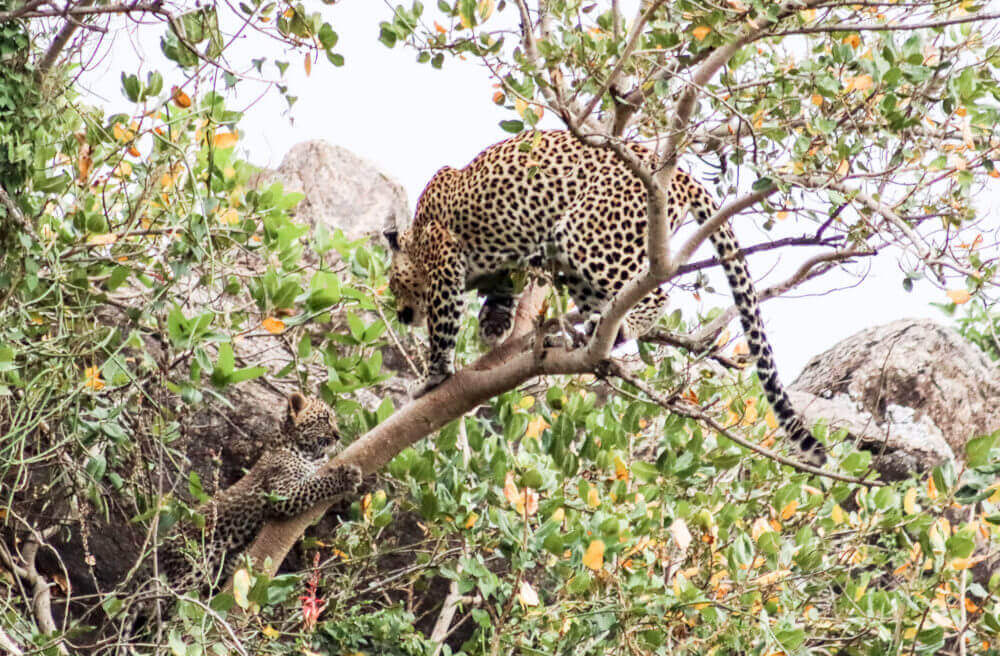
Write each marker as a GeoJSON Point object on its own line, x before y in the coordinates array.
{"type": "Point", "coordinates": [392, 236]}
{"type": "Point", "coordinates": [296, 404]}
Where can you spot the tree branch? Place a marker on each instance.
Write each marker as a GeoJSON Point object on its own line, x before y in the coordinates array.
{"type": "Point", "coordinates": [696, 413]}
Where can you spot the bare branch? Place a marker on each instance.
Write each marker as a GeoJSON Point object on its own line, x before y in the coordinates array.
{"type": "Point", "coordinates": [59, 43]}
{"type": "Point", "coordinates": [862, 27]}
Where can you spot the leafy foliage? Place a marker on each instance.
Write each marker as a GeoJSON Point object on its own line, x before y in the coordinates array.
{"type": "Point", "coordinates": [573, 516]}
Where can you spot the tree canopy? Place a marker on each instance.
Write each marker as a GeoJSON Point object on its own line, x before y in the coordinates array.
{"type": "Point", "coordinates": [585, 502]}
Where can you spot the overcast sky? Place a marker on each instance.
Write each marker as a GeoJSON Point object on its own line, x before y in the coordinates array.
{"type": "Point", "coordinates": [410, 120]}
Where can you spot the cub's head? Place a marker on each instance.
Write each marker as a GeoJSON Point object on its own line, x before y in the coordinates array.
{"type": "Point", "coordinates": [309, 425]}
{"type": "Point", "coordinates": [408, 282]}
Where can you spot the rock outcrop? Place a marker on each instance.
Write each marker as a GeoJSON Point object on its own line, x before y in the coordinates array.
{"type": "Point", "coordinates": [912, 390]}
{"type": "Point", "coordinates": [341, 189]}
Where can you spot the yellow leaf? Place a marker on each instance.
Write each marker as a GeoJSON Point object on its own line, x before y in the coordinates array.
{"type": "Point", "coordinates": [230, 217]}
{"type": "Point", "coordinates": [535, 427]}
{"type": "Point", "coordinates": [961, 111]}
{"type": "Point", "coordinates": [123, 170]}
{"type": "Point", "coordinates": [241, 587]}
{"type": "Point", "coordinates": [593, 498]}
{"type": "Point", "coordinates": [837, 514]}
{"type": "Point", "coordinates": [226, 139]}
{"type": "Point", "coordinates": [860, 83]}
{"type": "Point", "coordinates": [759, 528]}
{"type": "Point", "coordinates": [593, 558]}
{"type": "Point", "coordinates": [621, 470]}
{"type": "Point", "coordinates": [789, 509]}
{"type": "Point", "coordinates": [92, 378]}
{"type": "Point", "coordinates": [270, 632]}
{"type": "Point", "coordinates": [959, 296]}
{"type": "Point", "coordinates": [526, 402]}
{"type": "Point", "coordinates": [817, 99]}
{"type": "Point", "coordinates": [558, 515]}
{"type": "Point", "coordinates": [289, 13]}
{"type": "Point", "coordinates": [741, 348]}
{"type": "Point", "coordinates": [485, 9]}
{"type": "Point", "coordinates": [910, 501]}
{"type": "Point", "coordinates": [701, 32]}
{"type": "Point", "coordinates": [843, 168]}
{"type": "Point", "coordinates": [272, 325]}
{"type": "Point", "coordinates": [308, 65]}
{"type": "Point", "coordinates": [102, 240]}
{"type": "Point", "coordinates": [782, 215]}
{"type": "Point", "coordinates": [931, 488]}
{"type": "Point", "coordinates": [471, 520]}
{"type": "Point", "coordinates": [961, 563]}
{"type": "Point", "coordinates": [808, 15]}
{"type": "Point", "coordinates": [771, 420]}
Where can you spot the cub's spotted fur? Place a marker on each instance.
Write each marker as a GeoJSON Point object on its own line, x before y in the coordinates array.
{"type": "Point", "coordinates": [545, 199]}
{"type": "Point", "coordinates": [279, 486]}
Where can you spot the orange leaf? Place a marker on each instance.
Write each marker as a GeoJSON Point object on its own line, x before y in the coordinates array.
{"type": "Point", "coordinates": [789, 509]}
{"type": "Point", "coordinates": [782, 215]}
{"type": "Point", "coordinates": [843, 168]}
{"type": "Point", "coordinates": [308, 63]}
{"type": "Point", "coordinates": [498, 98]}
{"type": "Point", "coordinates": [959, 296]}
{"type": "Point", "coordinates": [593, 558]}
{"type": "Point", "coordinates": [853, 39]}
{"type": "Point", "coordinates": [961, 111]}
{"type": "Point", "coordinates": [701, 32]}
{"type": "Point", "coordinates": [817, 99]}
{"type": "Point", "coordinates": [440, 28]}
{"type": "Point", "coordinates": [181, 99]}
{"type": "Point", "coordinates": [134, 152]}
{"type": "Point", "coordinates": [92, 378]}
{"type": "Point", "coordinates": [272, 325]}
{"type": "Point", "coordinates": [225, 139]}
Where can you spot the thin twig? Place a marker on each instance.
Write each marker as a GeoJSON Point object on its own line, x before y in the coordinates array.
{"type": "Point", "coordinates": [694, 412]}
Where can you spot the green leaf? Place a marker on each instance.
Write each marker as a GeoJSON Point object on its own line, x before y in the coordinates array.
{"type": "Point", "coordinates": [977, 450]}
{"type": "Point", "coordinates": [512, 126]}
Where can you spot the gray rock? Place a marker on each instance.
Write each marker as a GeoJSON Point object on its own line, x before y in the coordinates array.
{"type": "Point", "coordinates": [342, 190]}
{"type": "Point", "coordinates": [912, 390]}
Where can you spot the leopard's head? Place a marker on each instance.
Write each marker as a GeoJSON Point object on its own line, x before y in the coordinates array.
{"type": "Point", "coordinates": [309, 425]}
{"type": "Point", "coordinates": [408, 282]}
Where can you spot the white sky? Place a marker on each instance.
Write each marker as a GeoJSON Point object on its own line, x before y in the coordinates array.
{"type": "Point", "coordinates": [411, 119]}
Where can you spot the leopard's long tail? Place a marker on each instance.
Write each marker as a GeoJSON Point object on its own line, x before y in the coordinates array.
{"type": "Point", "coordinates": [745, 296]}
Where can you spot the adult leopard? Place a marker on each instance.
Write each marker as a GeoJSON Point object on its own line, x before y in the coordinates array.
{"type": "Point", "coordinates": [546, 199]}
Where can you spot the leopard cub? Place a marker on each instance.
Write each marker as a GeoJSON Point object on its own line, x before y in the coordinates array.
{"type": "Point", "coordinates": [281, 485]}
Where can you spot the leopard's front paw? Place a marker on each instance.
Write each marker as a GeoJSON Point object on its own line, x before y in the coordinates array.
{"type": "Point", "coordinates": [352, 477]}
{"type": "Point", "coordinates": [426, 384]}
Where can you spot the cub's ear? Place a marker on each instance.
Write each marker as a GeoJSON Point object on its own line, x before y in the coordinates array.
{"type": "Point", "coordinates": [296, 404]}
{"type": "Point", "coordinates": [392, 236]}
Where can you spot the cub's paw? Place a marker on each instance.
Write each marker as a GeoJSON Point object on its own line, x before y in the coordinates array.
{"type": "Point", "coordinates": [426, 384]}
{"type": "Point", "coordinates": [352, 477]}
{"type": "Point", "coordinates": [496, 320]}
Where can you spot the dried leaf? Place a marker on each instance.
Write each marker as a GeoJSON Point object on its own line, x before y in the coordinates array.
{"type": "Point", "coordinates": [593, 558]}
{"type": "Point", "coordinates": [959, 296]}
{"type": "Point", "coordinates": [527, 595]}
{"type": "Point", "coordinates": [681, 534]}
{"type": "Point", "coordinates": [181, 99]}
{"type": "Point", "coordinates": [225, 139]}
{"type": "Point", "coordinates": [272, 325]}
